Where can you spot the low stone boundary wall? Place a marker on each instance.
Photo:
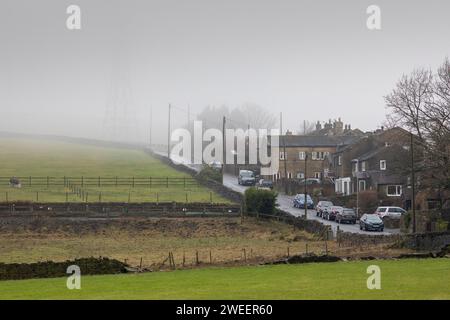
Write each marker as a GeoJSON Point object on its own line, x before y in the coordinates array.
{"type": "Point", "coordinates": [217, 187]}
{"type": "Point", "coordinates": [116, 209]}
{"type": "Point", "coordinates": [311, 226]}
{"type": "Point", "coordinates": [432, 241]}
{"type": "Point", "coordinates": [50, 269]}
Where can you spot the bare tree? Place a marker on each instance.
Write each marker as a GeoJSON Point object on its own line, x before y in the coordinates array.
{"type": "Point", "coordinates": [420, 103]}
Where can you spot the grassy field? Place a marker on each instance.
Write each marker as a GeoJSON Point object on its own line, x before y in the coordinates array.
{"type": "Point", "coordinates": [39, 158]}
{"type": "Point", "coordinates": [130, 239]}
{"type": "Point", "coordinates": [400, 279]}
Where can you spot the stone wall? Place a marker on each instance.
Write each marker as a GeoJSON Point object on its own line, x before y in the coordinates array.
{"type": "Point", "coordinates": [213, 185]}
{"type": "Point", "coordinates": [433, 241]}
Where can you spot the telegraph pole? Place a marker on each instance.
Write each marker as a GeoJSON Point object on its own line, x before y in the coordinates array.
{"type": "Point", "coordinates": [306, 189]}
{"type": "Point", "coordinates": [151, 124]}
{"type": "Point", "coordinates": [224, 147]}
{"type": "Point", "coordinates": [284, 153]}
{"type": "Point", "coordinates": [413, 185]}
{"type": "Point", "coordinates": [168, 134]}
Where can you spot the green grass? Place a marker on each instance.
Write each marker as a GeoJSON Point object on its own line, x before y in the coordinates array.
{"type": "Point", "coordinates": [39, 158]}
{"type": "Point", "coordinates": [401, 279]}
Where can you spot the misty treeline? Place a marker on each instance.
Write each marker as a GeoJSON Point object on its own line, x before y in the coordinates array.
{"type": "Point", "coordinates": [420, 103]}
{"type": "Point", "coordinates": [242, 117]}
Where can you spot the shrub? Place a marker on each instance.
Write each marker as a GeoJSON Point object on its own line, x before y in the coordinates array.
{"type": "Point", "coordinates": [368, 201]}
{"type": "Point", "coordinates": [209, 173]}
{"type": "Point", "coordinates": [260, 201]}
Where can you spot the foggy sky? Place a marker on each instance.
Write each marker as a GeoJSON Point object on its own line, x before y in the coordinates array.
{"type": "Point", "coordinates": [312, 60]}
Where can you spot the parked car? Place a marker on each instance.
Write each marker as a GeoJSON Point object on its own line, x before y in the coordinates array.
{"type": "Point", "coordinates": [265, 184]}
{"type": "Point", "coordinates": [299, 201]}
{"type": "Point", "coordinates": [323, 206]}
{"type": "Point", "coordinates": [246, 178]}
{"type": "Point", "coordinates": [371, 222]}
{"type": "Point", "coordinates": [217, 165]}
{"type": "Point", "coordinates": [391, 212]}
{"type": "Point", "coordinates": [331, 213]}
{"type": "Point", "coordinates": [309, 181]}
{"type": "Point", "coordinates": [346, 215]}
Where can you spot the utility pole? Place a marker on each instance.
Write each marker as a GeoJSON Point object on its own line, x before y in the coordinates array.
{"type": "Point", "coordinates": [168, 134]}
{"type": "Point", "coordinates": [413, 184]}
{"type": "Point", "coordinates": [189, 118]}
{"type": "Point", "coordinates": [224, 147]}
{"type": "Point", "coordinates": [150, 131]}
{"type": "Point", "coordinates": [306, 189]}
{"type": "Point", "coordinates": [284, 154]}
{"type": "Point", "coordinates": [357, 188]}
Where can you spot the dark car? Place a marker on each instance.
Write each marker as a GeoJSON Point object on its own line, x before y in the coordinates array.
{"type": "Point", "coordinates": [323, 206]}
{"type": "Point", "coordinates": [265, 184]}
{"type": "Point", "coordinates": [246, 178]}
{"type": "Point", "coordinates": [331, 213]}
{"type": "Point", "coordinates": [299, 201]}
{"type": "Point", "coordinates": [346, 215]}
{"type": "Point", "coordinates": [371, 222]}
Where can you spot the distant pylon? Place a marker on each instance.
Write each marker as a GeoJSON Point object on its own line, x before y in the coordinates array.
{"type": "Point", "coordinates": [120, 123]}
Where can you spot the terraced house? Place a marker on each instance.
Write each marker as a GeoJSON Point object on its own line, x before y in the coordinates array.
{"type": "Point", "coordinates": [315, 151]}
{"type": "Point", "coordinates": [374, 162]}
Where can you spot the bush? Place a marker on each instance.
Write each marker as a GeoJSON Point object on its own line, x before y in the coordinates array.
{"type": "Point", "coordinates": [209, 173]}
{"type": "Point", "coordinates": [260, 201]}
{"type": "Point", "coordinates": [368, 201]}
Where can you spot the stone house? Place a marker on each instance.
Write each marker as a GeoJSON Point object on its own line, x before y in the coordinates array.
{"type": "Point", "coordinates": [373, 163]}
{"type": "Point", "coordinates": [296, 150]}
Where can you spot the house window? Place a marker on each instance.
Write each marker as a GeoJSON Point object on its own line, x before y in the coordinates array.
{"type": "Point", "coordinates": [314, 155]}
{"type": "Point", "coordinates": [317, 175]}
{"type": "Point", "coordinates": [340, 160]}
{"type": "Point", "coordinates": [289, 175]}
{"type": "Point", "coordinates": [282, 155]}
{"type": "Point", "coordinates": [363, 166]}
{"type": "Point", "coordinates": [394, 190]}
{"type": "Point", "coordinates": [302, 155]}
{"type": "Point", "coordinates": [382, 164]}
{"type": "Point", "coordinates": [300, 175]}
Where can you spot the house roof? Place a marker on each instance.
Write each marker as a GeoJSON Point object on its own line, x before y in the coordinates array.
{"type": "Point", "coordinates": [315, 141]}
{"type": "Point", "coordinates": [370, 154]}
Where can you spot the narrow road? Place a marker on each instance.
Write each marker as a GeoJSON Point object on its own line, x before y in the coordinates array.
{"type": "Point", "coordinates": [285, 203]}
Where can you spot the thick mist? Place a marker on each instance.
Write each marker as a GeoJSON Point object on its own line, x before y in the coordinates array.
{"type": "Point", "coordinates": [311, 60]}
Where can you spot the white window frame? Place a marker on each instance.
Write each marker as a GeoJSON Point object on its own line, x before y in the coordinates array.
{"type": "Point", "coordinates": [383, 165]}
{"type": "Point", "coordinates": [363, 166]}
{"type": "Point", "coordinates": [302, 155]}
{"type": "Point", "coordinates": [398, 190]}
{"type": "Point", "coordinates": [363, 183]}
{"type": "Point", "coordinates": [339, 160]}
{"type": "Point", "coordinates": [282, 155]}
{"type": "Point", "coordinates": [317, 175]}
{"type": "Point", "coordinates": [300, 175]}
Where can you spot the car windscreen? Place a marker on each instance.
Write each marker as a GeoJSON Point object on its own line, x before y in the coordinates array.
{"type": "Point", "coordinates": [247, 174]}
{"type": "Point", "coordinates": [327, 204]}
{"type": "Point", "coordinates": [373, 218]}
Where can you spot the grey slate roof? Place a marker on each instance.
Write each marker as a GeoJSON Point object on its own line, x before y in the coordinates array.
{"type": "Point", "coordinates": [316, 141]}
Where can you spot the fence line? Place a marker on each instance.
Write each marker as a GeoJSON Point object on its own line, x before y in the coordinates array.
{"type": "Point", "coordinates": [103, 181]}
